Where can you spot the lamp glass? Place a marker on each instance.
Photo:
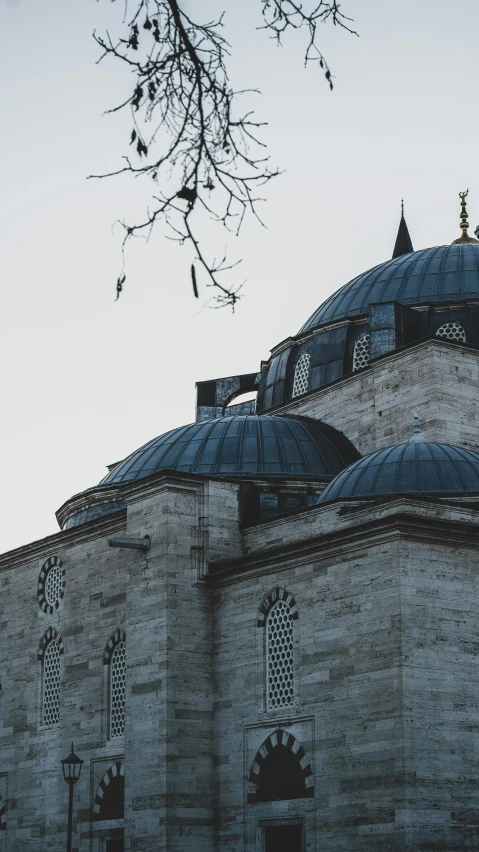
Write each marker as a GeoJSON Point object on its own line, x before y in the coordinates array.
{"type": "Point", "coordinates": [72, 767]}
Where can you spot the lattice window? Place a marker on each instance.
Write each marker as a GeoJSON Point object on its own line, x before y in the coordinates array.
{"type": "Point", "coordinates": [361, 353]}
{"type": "Point", "coordinates": [51, 683]}
{"type": "Point", "coordinates": [301, 375]}
{"type": "Point", "coordinates": [117, 691]}
{"type": "Point", "coordinates": [279, 656]}
{"type": "Point", "coordinates": [452, 331]}
{"type": "Point", "coordinates": [54, 585]}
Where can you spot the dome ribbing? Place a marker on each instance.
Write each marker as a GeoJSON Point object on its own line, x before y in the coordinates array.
{"type": "Point", "coordinates": [432, 275]}
{"type": "Point", "coordinates": [236, 445]}
{"type": "Point", "coordinates": [422, 467]}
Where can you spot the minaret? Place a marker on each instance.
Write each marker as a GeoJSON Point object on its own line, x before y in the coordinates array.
{"type": "Point", "coordinates": [403, 243]}
{"type": "Point", "coordinates": [464, 238]}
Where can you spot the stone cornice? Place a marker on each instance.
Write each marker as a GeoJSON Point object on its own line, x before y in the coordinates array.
{"type": "Point", "coordinates": [401, 524]}
{"type": "Point", "coordinates": [62, 540]}
{"type": "Point", "coordinates": [173, 480]}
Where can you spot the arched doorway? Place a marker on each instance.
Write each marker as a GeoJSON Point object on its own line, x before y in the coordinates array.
{"type": "Point", "coordinates": [280, 770]}
{"type": "Point", "coordinates": [109, 806]}
{"type": "Point", "coordinates": [280, 777]}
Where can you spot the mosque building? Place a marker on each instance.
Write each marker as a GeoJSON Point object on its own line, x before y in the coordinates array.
{"type": "Point", "coordinates": [261, 631]}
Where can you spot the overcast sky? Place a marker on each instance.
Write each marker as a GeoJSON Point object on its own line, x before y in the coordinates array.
{"type": "Point", "coordinates": [84, 380]}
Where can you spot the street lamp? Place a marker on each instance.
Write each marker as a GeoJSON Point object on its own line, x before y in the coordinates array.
{"type": "Point", "coordinates": [71, 772]}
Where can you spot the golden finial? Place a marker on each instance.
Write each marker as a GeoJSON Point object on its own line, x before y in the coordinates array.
{"type": "Point", "coordinates": [464, 238]}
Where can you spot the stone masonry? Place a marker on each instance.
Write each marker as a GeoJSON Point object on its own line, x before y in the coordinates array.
{"type": "Point", "coordinates": [383, 726]}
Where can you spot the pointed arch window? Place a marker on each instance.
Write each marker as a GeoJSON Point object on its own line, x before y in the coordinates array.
{"type": "Point", "coordinates": [115, 658]}
{"type": "Point", "coordinates": [452, 331]}
{"type": "Point", "coordinates": [361, 353]}
{"type": "Point", "coordinates": [49, 654]}
{"type": "Point", "coordinates": [301, 375]}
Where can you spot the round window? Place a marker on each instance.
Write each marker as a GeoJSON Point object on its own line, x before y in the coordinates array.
{"type": "Point", "coordinates": [51, 584]}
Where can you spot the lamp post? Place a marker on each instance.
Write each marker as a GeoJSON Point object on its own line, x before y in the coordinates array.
{"type": "Point", "coordinates": [71, 772]}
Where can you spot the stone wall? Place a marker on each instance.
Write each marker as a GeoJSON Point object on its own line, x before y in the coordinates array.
{"type": "Point", "coordinates": [91, 610]}
{"type": "Point", "coordinates": [440, 640]}
{"type": "Point", "coordinates": [347, 711]}
{"type": "Point", "coordinates": [386, 679]}
{"type": "Point", "coordinates": [158, 599]}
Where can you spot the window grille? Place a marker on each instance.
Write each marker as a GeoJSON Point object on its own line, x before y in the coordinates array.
{"type": "Point", "coordinates": [51, 683]}
{"type": "Point", "coordinates": [452, 331]}
{"type": "Point", "coordinates": [361, 353]}
{"type": "Point", "coordinates": [117, 691]}
{"type": "Point", "coordinates": [279, 656]}
{"type": "Point", "coordinates": [54, 586]}
{"type": "Point", "coordinates": [301, 375]}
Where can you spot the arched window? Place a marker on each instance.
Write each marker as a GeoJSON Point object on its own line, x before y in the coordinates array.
{"type": "Point", "coordinates": [279, 656]}
{"type": "Point", "coordinates": [110, 797]}
{"type": "Point", "coordinates": [49, 654]}
{"type": "Point", "coordinates": [301, 375]}
{"type": "Point", "coordinates": [3, 818]}
{"type": "Point", "coordinates": [280, 770]}
{"type": "Point", "coordinates": [115, 658]}
{"type": "Point", "coordinates": [361, 353]}
{"type": "Point", "coordinates": [452, 331]}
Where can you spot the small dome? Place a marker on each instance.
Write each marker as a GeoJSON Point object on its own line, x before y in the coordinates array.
{"type": "Point", "coordinates": [238, 445]}
{"type": "Point", "coordinates": [441, 274]}
{"type": "Point", "coordinates": [421, 467]}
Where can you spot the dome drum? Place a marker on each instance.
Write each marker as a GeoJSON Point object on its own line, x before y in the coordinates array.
{"type": "Point", "coordinates": [399, 303]}
{"type": "Point", "coordinates": [390, 327]}
{"type": "Point", "coordinates": [90, 505]}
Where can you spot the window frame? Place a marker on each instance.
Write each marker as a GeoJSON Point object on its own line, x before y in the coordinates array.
{"type": "Point", "coordinates": [446, 337]}
{"type": "Point", "coordinates": [51, 644]}
{"type": "Point", "coordinates": [269, 600]}
{"type": "Point", "coordinates": [280, 603]}
{"type": "Point", "coordinates": [360, 340]}
{"type": "Point", "coordinates": [117, 638]}
{"type": "Point", "coordinates": [115, 651]}
{"type": "Point", "coordinates": [304, 358]}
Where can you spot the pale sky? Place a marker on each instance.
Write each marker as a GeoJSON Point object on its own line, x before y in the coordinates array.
{"type": "Point", "coordinates": [84, 380]}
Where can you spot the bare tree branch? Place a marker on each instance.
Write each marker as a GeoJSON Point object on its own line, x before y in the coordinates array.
{"type": "Point", "coordinates": [189, 134]}
{"type": "Point", "coordinates": [283, 15]}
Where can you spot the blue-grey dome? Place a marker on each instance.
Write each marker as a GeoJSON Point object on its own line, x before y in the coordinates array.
{"type": "Point", "coordinates": [422, 467]}
{"type": "Point", "coordinates": [228, 446]}
{"type": "Point", "coordinates": [441, 274]}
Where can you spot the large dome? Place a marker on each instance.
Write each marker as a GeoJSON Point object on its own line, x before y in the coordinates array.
{"type": "Point", "coordinates": [376, 313]}
{"type": "Point", "coordinates": [422, 467]}
{"type": "Point", "coordinates": [229, 446]}
{"type": "Point", "coordinates": [441, 274]}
